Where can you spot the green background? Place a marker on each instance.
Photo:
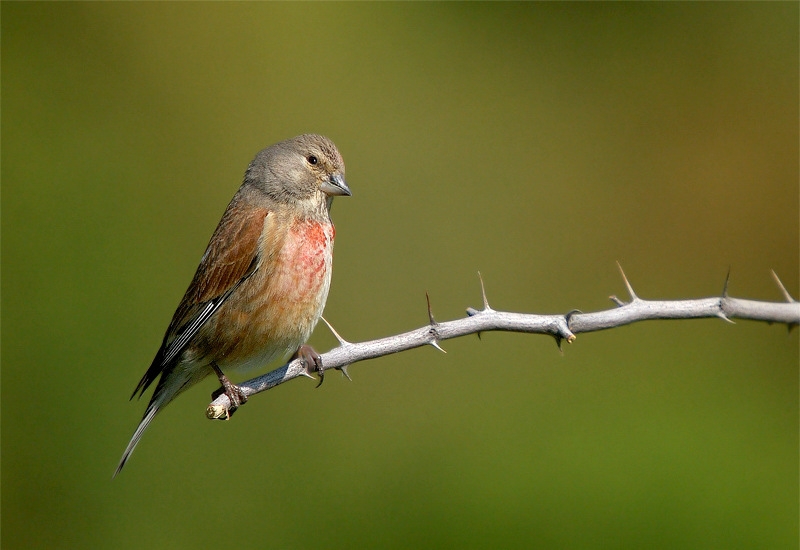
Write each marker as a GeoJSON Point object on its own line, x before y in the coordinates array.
{"type": "Point", "coordinates": [537, 143]}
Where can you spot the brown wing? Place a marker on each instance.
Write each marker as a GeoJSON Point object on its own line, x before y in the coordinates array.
{"type": "Point", "coordinates": [231, 257]}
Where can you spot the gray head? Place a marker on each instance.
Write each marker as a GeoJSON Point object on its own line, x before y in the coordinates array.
{"type": "Point", "coordinates": [299, 169]}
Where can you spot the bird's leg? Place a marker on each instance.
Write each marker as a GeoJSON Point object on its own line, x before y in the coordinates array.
{"type": "Point", "coordinates": [234, 392]}
{"type": "Point", "coordinates": [312, 359]}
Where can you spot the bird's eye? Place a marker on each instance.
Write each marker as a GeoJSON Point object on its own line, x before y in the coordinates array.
{"type": "Point", "coordinates": [312, 159]}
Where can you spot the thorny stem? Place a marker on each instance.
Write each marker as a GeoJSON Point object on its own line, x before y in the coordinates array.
{"type": "Point", "coordinates": [561, 327]}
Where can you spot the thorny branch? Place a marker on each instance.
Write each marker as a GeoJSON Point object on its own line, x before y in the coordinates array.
{"type": "Point", "coordinates": [561, 327]}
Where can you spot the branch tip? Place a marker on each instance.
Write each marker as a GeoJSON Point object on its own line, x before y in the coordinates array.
{"type": "Point", "coordinates": [217, 412]}
{"type": "Point", "coordinates": [616, 300]}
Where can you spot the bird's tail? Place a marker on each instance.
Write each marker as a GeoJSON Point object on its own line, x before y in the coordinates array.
{"type": "Point", "coordinates": [172, 382]}
{"type": "Point", "coordinates": [149, 414]}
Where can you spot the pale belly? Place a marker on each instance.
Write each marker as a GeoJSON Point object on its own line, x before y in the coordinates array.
{"type": "Point", "coordinates": [276, 309]}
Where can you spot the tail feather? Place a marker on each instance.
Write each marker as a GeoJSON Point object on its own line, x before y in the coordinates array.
{"type": "Point", "coordinates": [172, 382]}
{"type": "Point", "coordinates": [149, 414]}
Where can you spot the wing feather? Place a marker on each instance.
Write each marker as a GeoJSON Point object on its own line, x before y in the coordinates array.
{"type": "Point", "coordinates": [231, 257]}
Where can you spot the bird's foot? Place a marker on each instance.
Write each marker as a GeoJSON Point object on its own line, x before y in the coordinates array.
{"type": "Point", "coordinates": [312, 360]}
{"type": "Point", "coordinates": [234, 392]}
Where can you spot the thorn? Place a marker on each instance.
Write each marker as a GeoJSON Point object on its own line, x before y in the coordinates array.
{"type": "Point", "coordinates": [558, 343]}
{"type": "Point", "coordinates": [727, 280]}
{"type": "Point", "coordinates": [307, 375]}
{"type": "Point", "coordinates": [616, 300]}
{"type": "Point", "coordinates": [633, 295]}
{"type": "Point", "coordinates": [721, 315]}
{"type": "Point", "coordinates": [435, 344]}
{"type": "Point", "coordinates": [783, 288]}
{"type": "Point", "coordinates": [430, 311]}
{"type": "Point", "coordinates": [483, 293]}
{"type": "Point", "coordinates": [342, 341]}
{"type": "Point", "coordinates": [344, 372]}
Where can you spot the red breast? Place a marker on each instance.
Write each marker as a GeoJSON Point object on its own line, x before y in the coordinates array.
{"type": "Point", "coordinates": [275, 310]}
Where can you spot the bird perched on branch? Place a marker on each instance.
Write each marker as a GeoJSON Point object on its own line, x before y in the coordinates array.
{"type": "Point", "coordinates": [262, 283]}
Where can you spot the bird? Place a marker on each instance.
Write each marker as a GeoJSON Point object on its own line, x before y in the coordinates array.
{"type": "Point", "coordinates": [262, 282]}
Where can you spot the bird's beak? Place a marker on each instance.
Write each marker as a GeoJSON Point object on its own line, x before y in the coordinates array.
{"type": "Point", "coordinates": [336, 186]}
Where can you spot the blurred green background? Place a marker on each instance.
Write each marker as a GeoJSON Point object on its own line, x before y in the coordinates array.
{"type": "Point", "coordinates": [537, 143]}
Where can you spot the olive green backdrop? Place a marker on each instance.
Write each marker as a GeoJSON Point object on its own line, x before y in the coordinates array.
{"type": "Point", "coordinates": [537, 143]}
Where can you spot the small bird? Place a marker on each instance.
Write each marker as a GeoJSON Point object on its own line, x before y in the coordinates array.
{"type": "Point", "coordinates": [263, 281]}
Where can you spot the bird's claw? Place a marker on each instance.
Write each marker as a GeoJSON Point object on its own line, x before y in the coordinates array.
{"type": "Point", "coordinates": [312, 360]}
{"type": "Point", "coordinates": [235, 394]}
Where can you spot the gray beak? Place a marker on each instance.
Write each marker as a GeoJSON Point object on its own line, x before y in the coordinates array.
{"type": "Point", "coordinates": [335, 186]}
